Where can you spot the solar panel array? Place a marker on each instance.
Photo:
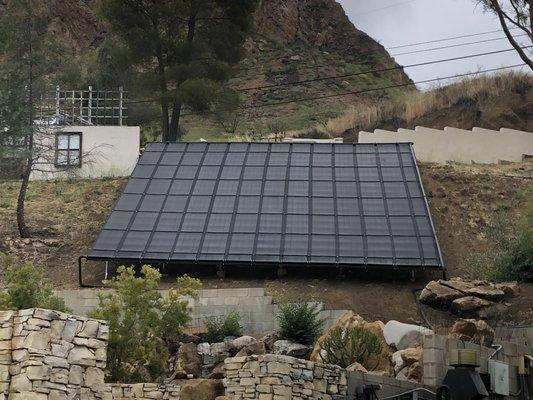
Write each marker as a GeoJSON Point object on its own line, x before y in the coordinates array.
{"type": "Point", "coordinates": [290, 203]}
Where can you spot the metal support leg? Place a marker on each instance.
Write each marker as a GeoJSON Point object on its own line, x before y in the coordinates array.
{"type": "Point", "coordinates": [221, 272]}
{"type": "Point", "coordinates": [341, 275]}
{"type": "Point", "coordinates": [281, 272]}
{"type": "Point", "coordinates": [413, 276]}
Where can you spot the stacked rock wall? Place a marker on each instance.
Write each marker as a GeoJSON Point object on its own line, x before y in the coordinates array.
{"type": "Point", "coordinates": [275, 377]}
{"type": "Point", "coordinates": [56, 356]}
{"type": "Point", "coordinates": [142, 391]}
{"type": "Point", "coordinates": [6, 332]}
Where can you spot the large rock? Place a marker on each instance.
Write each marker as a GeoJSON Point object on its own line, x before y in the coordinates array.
{"type": "Point", "coordinates": [402, 336]}
{"type": "Point", "coordinates": [243, 341]}
{"type": "Point", "coordinates": [288, 348]}
{"type": "Point", "coordinates": [212, 355]}
{"type": "Point", "coordinates": [347, 319]}
{"type": "Point", "coordinates": [188, 361]}
{"type": "Point", "coordinates": [511, 289]}
{"type": "Point", "coordinates": [258, 348]}
{"type": "Point", "coordinates": [204, 389]}
{"type": "Point", "coordinates": [438, 295]}
{"type": "Point", "coordinates": [471, 330]}
{"type": "Point", "coordinates": [469, 306]}
{"type": "Point", "coordinates": [356, 367]}
{"type": "Point", "coordinates": [269, 339]}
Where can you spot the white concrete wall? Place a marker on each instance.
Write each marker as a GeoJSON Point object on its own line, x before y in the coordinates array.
{"type": "Point", "coordinates": [479, 145]}
{"type": "Point", "coordinates": [107, 151]}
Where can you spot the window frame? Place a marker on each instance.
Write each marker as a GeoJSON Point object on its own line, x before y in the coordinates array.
{"type": "Point", "coordinates": [68, 150]}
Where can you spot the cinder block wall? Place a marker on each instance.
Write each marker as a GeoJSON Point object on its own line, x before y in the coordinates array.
{"type": "Point", "coordinates": [436, 358]}
{"type": "Point", "coordinates": [257, 310]}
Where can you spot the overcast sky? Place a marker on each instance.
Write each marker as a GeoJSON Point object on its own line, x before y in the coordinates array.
{"type": "Point", "coordinates": [400, 22]}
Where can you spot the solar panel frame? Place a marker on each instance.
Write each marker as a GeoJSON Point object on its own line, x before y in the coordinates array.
{"type": "Point", "coordinates": [354, 205]}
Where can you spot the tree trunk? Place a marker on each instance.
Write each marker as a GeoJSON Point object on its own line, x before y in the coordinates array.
{"type": "Point", "coordinates": [174, 133]}
{"type": "Point", "coordinates": [499, 12]}
{"type": "Point", "coordinates": [21, 200]}
{"type": "Point", "coordinates": [163, 88]}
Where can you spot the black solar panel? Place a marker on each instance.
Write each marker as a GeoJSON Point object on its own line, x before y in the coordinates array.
{"type": "Point", "coordinates": [288, 203]}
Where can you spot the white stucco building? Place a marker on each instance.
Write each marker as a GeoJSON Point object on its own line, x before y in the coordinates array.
{"type": "Point", "coordinates": [86, 151]}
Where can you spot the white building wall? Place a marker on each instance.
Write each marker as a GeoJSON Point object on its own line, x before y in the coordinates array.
{"type": "Point", "coordinates": [479, 145]}
{"type": "Point", "coordinates": [107, 151]}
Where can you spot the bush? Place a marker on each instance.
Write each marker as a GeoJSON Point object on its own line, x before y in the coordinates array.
{"type": "Point", "coordinates": [510, 252]}
{"type": "Point", "coordinates": [219, 328]}
{"type": "Point", "coordinates": [300, 322]}
{"type": "Point", "coordinates": [26, 286]}
{"type": "Point", "coordinates": [345, 346]}
{"type": "Point", "coordinates": [143, 325]}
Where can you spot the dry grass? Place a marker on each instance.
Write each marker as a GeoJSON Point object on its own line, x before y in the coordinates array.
{"type": "Point", "coordinates": [485, 93]}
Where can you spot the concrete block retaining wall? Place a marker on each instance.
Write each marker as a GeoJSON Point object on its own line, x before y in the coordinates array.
{"type": "Point", "coordinates": [275, 377]}
{"type": "Point", "coordinates": [436, 358]}
{"type": "Point", "coordinates": [482, 146]}
{"type": "Point", "coordinates": [257, 310]}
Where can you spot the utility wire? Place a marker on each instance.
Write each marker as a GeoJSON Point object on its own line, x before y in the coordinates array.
{"type": "Point", "coordinates": [446, 39]}
{"type": "Point", "coordinates": [455, 45]}
{"type": "Point", "coordinates": [327, 96]}
{"type": "Point", "coordinates": [325, 78]}
{"type": "Point", "coordinates": [398, 54]}
{"type": "Point", "coordinates": [356, 74]}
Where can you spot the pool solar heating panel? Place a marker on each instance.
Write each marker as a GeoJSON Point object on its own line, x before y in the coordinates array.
{"type": "Point", "coordinates": [304, 204]}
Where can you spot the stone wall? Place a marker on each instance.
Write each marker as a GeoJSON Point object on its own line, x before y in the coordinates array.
{"type": "Point", "coordinates": [275, 377]}
{"type": "Point", "coordinates": [142, 391]}
{"type": "Point", "coordinates": [257, 309]}
{"type": "Point", "coordinates": [54, 355]}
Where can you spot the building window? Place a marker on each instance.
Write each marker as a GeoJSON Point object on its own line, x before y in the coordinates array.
{"type": "Point", "coordinates": [68, 149]}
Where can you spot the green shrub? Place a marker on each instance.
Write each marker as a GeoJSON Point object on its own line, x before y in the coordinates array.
{"type": "Point", "coordinates": [299, 322]}
{"type": "Point", "coordinates": [510, 249]}
{"type": "Point", "coordinates": [26, 286]}
{"type": "Point", "coordinates": [219, 328]}
{"type": "Point", "coordinates": [142, 324]}
{"type": "Point", "coordinates": [345, 346]}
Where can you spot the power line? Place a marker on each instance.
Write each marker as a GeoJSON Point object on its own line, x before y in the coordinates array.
{"type": "Point", "coordinates": [384, 8]}
{"type": "Point", "coordinates": [455, 45]}
{"type": "Point", "coordinates": [365, 90]}
{"type": "Point", "coordinates": [325, 78]}
{"type": "Point", "coordinates": [445, 39]}
{"type": "Point", "coordinates": [316, 66]}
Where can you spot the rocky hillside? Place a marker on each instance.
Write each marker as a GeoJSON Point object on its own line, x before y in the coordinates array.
{"type": "Point", "coordinates": [292, 40]}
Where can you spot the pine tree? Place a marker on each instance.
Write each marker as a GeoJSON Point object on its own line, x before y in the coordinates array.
{"type": "Point", "coordinates": [183, 50]}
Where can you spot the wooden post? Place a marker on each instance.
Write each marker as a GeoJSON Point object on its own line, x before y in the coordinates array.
{"type": "Point", "coordinates": [120, 104]}
{"type": "Point", "coordinates": [73, 110]}
{"type": "Point", "coordinates": [89, 105]}
{"type": "Point", "coordinates": [57, 101]}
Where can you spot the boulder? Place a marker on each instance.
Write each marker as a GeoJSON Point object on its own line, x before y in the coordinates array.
{"type": "Point", "coordinates": [243, 341]}
{"type": "Point", "coordinates": [205, 389]}
{"type": "Point", "coordinates": [438, 295]}
{"type": "Point", "coordinates": [487, 292]}
{"type": "Point", "coordinates": [212, 355]}
{"type": "Point", "coordinates": [348, 318]}
{"type": "Point", "coordinates": [397, 361]}
{"type": "Point", "coordinates": [471, 330]}
{"type": "Point", "coordinates": [411, 355]}
{"type": "Point", "coordinates": [415, 372]}
{"type": "Point", "coordinates": [469, 306]}
{"type": "Point", "coordinates": [288, 348]}
{"type": "Point", "coordinates": [188, 361]}
{"type": "Point", "coordinates": [401, 336]}
{"type": "Point", "coordinates": [511, 289]}
{"type": "Point", "coordinates": [269, 340]}
{"type": "Point", "coordinates": [219, 372]}
{"type": "Point", "coordinates": [258, 348]}
{"type": "Point", "coordinates": [356, 367]}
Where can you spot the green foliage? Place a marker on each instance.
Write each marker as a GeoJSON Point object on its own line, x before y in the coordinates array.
{"type": "Point", "coordinates": [510, 252]}
{"type": "Point", "coordinates": [26, 286]}
{"type": "Point", "coordinates": [345, 346]}
{"type": "Point", "coordinates": [299, 322]}
{"type": "Point", "coordinates": [142, 325]}
{"type": "Point", "coordinates": [219, 328]}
